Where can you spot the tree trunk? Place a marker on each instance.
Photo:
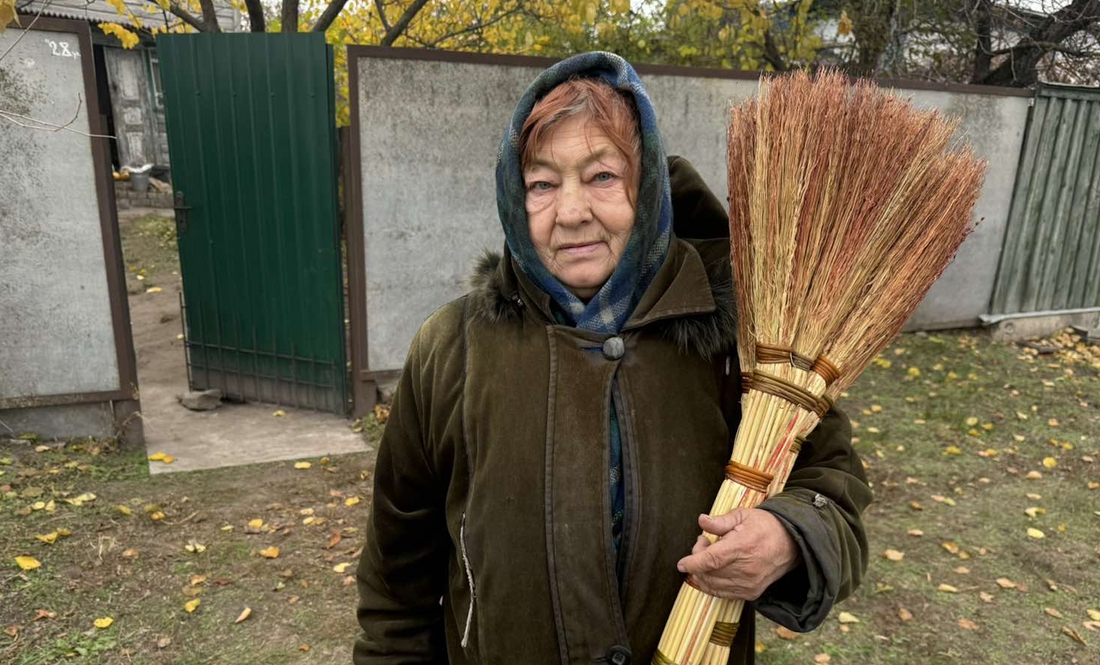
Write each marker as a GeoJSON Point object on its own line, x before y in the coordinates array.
{"type": "Point", "coordinates": [290, 15]}
{"type": "Point", "coordinates": [209, 16]}
{"type": "Point", "coordinates": [982, 19]}
{"type": "Point", "coordinates": [256, 21]}
{"type": "Point", "coordinates": [871, 23]}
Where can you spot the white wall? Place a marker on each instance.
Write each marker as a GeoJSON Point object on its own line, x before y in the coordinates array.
{"type": "Point", "coordinates": [429, 134]}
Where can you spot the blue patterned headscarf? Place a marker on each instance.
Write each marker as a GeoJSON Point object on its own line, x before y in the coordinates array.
{"type": "Point", "coordinates": [610, 308]}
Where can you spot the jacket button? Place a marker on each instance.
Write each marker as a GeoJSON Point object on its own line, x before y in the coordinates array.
{"type": "Point", "coordinates": [618, 655]}
{"type": "Point", "coordinates": [614, 348]}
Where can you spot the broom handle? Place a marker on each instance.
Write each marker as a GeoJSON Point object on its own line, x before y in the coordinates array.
{"type": "Point", "coordinates": [692, 621]}
{"type": "Point", "coordinates": [717, 651]}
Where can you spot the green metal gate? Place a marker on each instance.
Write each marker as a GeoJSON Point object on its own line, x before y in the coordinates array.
{"type": "Point", "coordinates": [252, 139]}
{"type": "Point", "coordinates": [1051, 255]}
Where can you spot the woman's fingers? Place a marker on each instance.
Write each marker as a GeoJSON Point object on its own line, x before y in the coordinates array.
{"type": "Point", "coordinates": [723, 524]}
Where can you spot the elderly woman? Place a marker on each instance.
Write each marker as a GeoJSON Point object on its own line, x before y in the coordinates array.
{"type": "Point", "coordinates": [557, 432]}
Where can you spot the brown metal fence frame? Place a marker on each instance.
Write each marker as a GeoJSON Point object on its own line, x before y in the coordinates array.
{"type": "Point", "coordinates": [364, 380]}
{"type": "Point", "coordinates": [125, 399]}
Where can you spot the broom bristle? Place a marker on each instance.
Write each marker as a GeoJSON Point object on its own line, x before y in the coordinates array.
{"type": "Point", "coordinates": [832, 186]}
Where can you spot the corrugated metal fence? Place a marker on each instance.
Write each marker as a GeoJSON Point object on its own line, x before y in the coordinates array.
{"type": "Point", "coordinates": [1051, 255]}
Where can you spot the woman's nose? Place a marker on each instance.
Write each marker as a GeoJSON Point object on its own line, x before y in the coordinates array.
{"type": "Point", "coordinates": [573, 208]}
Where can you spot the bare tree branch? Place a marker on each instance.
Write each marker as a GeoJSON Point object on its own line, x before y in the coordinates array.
{"type": "Point", "coordinates": [381, 7]}
{"type": "Point", "coordinates": [256, 20]}
{"type": "Point", "coordinates": [472, 28]}
{"type": "Point", "coordinates": [983, 27]}
{"type": "Point", "coordinates": [186, 16]}
{"type": "Point", "coordinates": [329, 15]}
{"type": "Point", "coordinates": [1020, 68]}
{"type": "Point", "coordinates": [397, 29]}
{"type": "Point", "coordinates": [43, 126]}
{"type": "Point", "coordinates": [290, 15]}
{"type": "Point", "coordinates": [771, 53]}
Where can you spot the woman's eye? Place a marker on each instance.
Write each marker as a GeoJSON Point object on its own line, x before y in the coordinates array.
{"type": "Point", "coordinates": [604, 176]}
{"type": "Point", "coordinates": [540, 186]}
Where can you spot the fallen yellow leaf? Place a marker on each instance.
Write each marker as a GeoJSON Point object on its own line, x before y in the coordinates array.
{"type": "Point", "coordinates": [847, 617]}
{"type": "Point", "coordinates": [130, 553]}
{"type": "Point", "coordinates": [913, 372]}
{"type": "Point", "coordinates": [916, 532]}
{"type": "Point", "coordinates": [950, 546]}
{"type": "Point", "coordinates": [1005, 583]}
{"type": "Point", "coordinates": [1053, 422]}
{"type": "Point", "coordinates": [1034, 510]}
{"type": "Point", "coordinates": [27, 562]}
{"type": "Point", "coordinates": [1033, 475]}
{"type": "Point", "coordinates": [302, 465]}
{"type": "Point", "coordinates": [156, 457]}
{"type": "Point", "coordinates": [270, 553]}
{"type": "Point", "coordinates": [351, 501]}
{"type": "Point", "coordinates": [904, 614]}
{"type": "Point", "coordinates": [1035, 533]}
{"type": "Point", "coordinates": [947, 588]}
{"type": "Point", "coordinates": [197, 579]}
{"type": "Point", "coordinates": [1074, 635]}
{"type": "Point", "coordinates": [894, 555]}
{"type": "Point", "coordinates": [785, 634]}
{"type": "Point", "coordinates": [971, 421]}
{"type": "Point", "coordinates": [987, 597]}
{"type": "Point", "coordinates": [103, 622]}
{"type": "Point", "coordinates": [245, 613]}
{"type": "Point", "coordinates": [341, 567]}
{"type": "Point", "coordinates": [154, 289]}
{"type": "Point", "coordinates": [125, 510]}
{"type": "Point", "coordinates": [278, 413]}
{"type": "Point", "coordinates": [1053, 612]}
{"type": "Point", "coordinates": [759, 647]}
{"type": "Point", "coordinates": [1050, 462]}
{"type": "Point", "coordinates": [192, 605]}
{"type": "Point", "coordinates": [952, 450]}
{"type": "Point", "coordinates": [47, 538]}
{"type": "Point", "coordinates": [1094, 615]}
{"type": "Point", "coordinates": [822, 658]}
{"type": "Point", "coordinates": [967, 624]}
{"type": "Point", "coordinates": [156, 515]}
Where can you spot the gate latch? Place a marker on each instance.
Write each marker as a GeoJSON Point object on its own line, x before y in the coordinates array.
{"type": "Point", "coordinates": [181, 209]}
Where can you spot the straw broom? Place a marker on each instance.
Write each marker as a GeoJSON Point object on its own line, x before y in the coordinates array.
{"type": "Point", "coordinates": [846, 204]}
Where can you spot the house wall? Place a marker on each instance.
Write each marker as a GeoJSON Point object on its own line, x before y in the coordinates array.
{"type": "Point", "coordinates": [428, 137]}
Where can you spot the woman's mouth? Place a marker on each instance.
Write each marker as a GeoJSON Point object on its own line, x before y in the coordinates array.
{"type": "Point", "coordinates": [580, 249]}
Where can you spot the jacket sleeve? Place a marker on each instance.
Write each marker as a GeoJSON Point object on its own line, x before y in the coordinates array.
{"type": "Point", "coordinates": [821, 508]}
{"type": "Point", "coordinates": [402, 570]}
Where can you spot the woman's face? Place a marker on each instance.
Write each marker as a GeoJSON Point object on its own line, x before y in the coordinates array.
{"type": "Point", "coordinates": [580, 208]}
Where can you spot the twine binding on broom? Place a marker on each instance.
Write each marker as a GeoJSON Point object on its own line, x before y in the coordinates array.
{"type": "Point", "coordinates": [724, 633]}
{"type": "Point", "coordinates": [796, 445]}
{"type": "Point", "coordinates": [754, 479]}
{"type": "Point", "coordinates": [783, 389]}
{"type": "Point", "coordinates": [661, 659]}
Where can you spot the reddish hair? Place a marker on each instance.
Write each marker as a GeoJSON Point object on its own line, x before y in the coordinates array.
{"type": "Point", "coordinates": [609, 110]}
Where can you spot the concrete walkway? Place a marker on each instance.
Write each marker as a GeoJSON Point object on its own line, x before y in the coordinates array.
{"type": "Point", "coordinates": [234, 434]}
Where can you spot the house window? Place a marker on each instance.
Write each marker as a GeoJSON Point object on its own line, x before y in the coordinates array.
{"type": "Point", "coordinates": [152, 68]}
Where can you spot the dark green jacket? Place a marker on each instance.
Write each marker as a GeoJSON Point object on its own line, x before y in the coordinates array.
{"type": "Point", "coordinates": [490, 524]}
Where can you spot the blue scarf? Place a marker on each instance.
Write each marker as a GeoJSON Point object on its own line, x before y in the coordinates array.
{"type": "Point", "coordinates": [613, 304]}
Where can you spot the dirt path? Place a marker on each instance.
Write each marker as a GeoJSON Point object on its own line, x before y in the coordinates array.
{"type": "Point", "coordinates": [234, 433]}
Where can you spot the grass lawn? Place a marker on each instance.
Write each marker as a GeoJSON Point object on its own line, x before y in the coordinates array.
{"type": "Point", "coordinates": [962, 438]}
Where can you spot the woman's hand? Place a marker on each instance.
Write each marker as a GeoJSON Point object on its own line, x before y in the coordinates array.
{"type": "Point", "coordinates": [753, 550]}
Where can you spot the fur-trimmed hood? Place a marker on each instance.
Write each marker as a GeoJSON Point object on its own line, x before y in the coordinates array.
{"type": "Point", "coordinates": [701, 321]}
